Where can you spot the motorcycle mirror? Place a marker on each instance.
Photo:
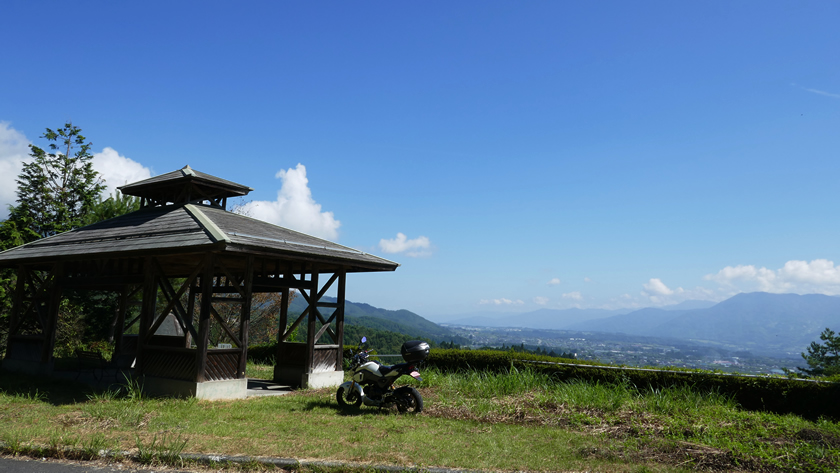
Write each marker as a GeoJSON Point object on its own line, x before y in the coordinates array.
{"type": "Point", "coordinates": [364, 339]}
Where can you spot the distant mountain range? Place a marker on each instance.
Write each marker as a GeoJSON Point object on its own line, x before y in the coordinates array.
{"type": "Point", "coordinates": [549, 319]}
{"type": "Point", "coordinates": [759, 322]}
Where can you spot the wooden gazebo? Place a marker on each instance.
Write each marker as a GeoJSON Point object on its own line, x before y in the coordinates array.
{"type": "Point", "coordinates": [181, 254]}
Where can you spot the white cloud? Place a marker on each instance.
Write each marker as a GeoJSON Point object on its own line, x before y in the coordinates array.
{"type": "Point", "coordinates": [822, 92]}
{"type": "Point", "coordinates": [576, 295]}
{"type": "Point", "coordinates": [657, 287]}
{"type": "Point", "coordinates": [818, 276]}
{"type": "Point", "coordinates": [501, 301]}
{"type": "Point", "coordinates": [539, 300]}
{"type": "Point", "coordinates": [587, 280]}
{"type": "Point", "coordinates": [554, 282]}
{"type": "Point", "coordinates": [14, 151]}
{"type": "Point", "coordinates": [117, 170]}
{"type": "Point", "coordinates": [657, 293]}
{"type": "Point", "coordinates": [295, 208]}
{"type": "Point", "coordinates": [417, 247]}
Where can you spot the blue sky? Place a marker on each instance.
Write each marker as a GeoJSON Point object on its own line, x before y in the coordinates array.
{"type": "Point", "coordinates": [532, 154]}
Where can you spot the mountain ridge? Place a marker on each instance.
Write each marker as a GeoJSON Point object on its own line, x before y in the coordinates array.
{"type": "Point", "coordinates": [401, 321]}
{"type": "Point", "coordinates": [760, 322]}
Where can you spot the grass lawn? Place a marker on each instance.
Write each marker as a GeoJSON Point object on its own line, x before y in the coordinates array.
{"type": "Point", "coordinates": [512, 422]}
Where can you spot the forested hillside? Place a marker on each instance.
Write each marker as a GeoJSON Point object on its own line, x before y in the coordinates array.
{"type": "Point", "coordinates": [403, 322]}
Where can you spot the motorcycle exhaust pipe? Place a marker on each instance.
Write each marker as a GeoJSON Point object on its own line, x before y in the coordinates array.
{"type": "Point", "coordinates": [371, 402]}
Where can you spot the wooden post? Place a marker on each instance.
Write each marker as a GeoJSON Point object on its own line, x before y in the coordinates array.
{"type": "Point", "coordinates": [245, 317]}
{"type": "Point", "coordinates": [339, 320]}
{"type": "Point", "coordinates": [284, 317]}
{"type": "Point", "coordinates": [204, 319]}
{"type": "Point", "coordinates": [17, 303]}
{"type": "Point", "coordinates": [147, 310]}
{"type": "Point", "coordinates": [313, 316]}
{"type": "Point", "coordinates": [52, 314]}
{"type": "Point", "coordinates": [284, 314]}
{"type": "Point", "coordinates": [190, 315]}
{"type": "Point", "coordinates": [120, 324]}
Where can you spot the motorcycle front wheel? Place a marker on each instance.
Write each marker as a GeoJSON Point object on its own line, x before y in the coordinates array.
{"type": "Point", "coordinates": [348, 397]}
{"type": "Point", "coordinates": [408, 400]}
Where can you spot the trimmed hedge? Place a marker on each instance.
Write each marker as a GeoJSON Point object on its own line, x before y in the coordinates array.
{"type": "Point", "coordinates": [779, 395]}
{"type": "Point", "coordinates": [263, 353]}
{"type": "Point", "coordinates": [808, 399]}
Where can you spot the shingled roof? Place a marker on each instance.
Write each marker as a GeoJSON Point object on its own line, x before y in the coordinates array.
{"type": "Point", "coordinates": [184, 185]}
{"type": "Point", "coordinates": [183, 228]}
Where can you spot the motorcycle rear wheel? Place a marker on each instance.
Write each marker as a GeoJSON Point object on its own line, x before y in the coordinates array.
{"type": "Point", "coordinates": [408, 400]}
{"type": "Point", "coordinates": [348, 397]}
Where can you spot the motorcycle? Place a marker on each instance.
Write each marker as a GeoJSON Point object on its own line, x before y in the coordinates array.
{"type": "Point", "coordinates": [372, 383]}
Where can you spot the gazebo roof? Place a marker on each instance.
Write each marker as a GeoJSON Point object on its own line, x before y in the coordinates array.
{"type": "Point", "coordinates": [184, 185]}
{"type": "Point", "coordinates": [189, 228]}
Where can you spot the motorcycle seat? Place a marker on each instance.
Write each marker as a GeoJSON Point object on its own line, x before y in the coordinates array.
{"type": "Point", "coordinates": [384, 369]}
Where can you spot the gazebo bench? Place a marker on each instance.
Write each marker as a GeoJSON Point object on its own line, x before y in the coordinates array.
{"type": "Point", "coordinates": [88, 360]}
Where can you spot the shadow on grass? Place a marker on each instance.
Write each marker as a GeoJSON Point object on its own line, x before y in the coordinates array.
{"type": "Point", "coordinates": [331, 404]}
{"type": "Point", "coordinates": [51, 390]}
{"type": "Point", "coordinates": [348, 411]}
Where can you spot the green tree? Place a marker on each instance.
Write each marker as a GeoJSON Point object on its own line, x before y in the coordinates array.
{"type": "Point", "coordinates": [823, 359]}
{"type": "Point", "coordinates": [10, 236]}
{"type": "Point", "coordinates": [56, 190]}
{"type": "Point", "coordinates": [114, 206]}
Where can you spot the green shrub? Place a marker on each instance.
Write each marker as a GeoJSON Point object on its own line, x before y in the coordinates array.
{"type": "Point", "coordinates": [263, 353]}
{"type": "Point", "coordinates": [779, 395]}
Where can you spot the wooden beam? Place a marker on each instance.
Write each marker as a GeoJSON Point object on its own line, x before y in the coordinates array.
{"type": "Point", "coordinates": [97, 282]}
{"type": "Point", "coordinates": [231, 277]}
{"type": "Point", "coordinates": [326, 327]}
{"type": "Point", "coordinates": [52, 324]}
{"type": "Point", "coordinates": [281, 324]}
{"type": "Point", "coordinates": [314, 303]}
{"type": "Point", "coordinates": [274, 284]}
{"type": "Point", "coordinates": [339, 319]}
{"type": "Point", "coordinates": [310, 327]}
{"type": "Point", "coordinates": [204, 315]}
{"type": "Point", "coordinates": [147, 310]}
{"type": "Point", "coordinates": [295, 324]}
{"type": "Point", "coordinates": [327, 286]}
{"type": "Point", "coordinates": [174, 300]}
{"type": "Point", "coordinates": [17, 302]}
{"type": "Point", "coordinates": [118, 327]}
{"type": "Point", "coordinates": [190, 315]}
{"type": "Point", "coordinates": [245, 318]}
{"type": "Point", "coordinates": [225, 327]}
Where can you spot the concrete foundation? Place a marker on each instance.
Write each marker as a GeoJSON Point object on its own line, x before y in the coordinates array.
{"type": "Point", "coordinates": [324, 379]}
{"type": "Point", "coordinates": [208, 390]}
{"type": "Point", "coordinates": [297, 378]}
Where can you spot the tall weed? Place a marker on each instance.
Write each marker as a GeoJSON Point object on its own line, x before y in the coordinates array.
{"type": "Point", "coordinates": [682, 399]}
{"type": "Point", "coordinates": [166, 450]}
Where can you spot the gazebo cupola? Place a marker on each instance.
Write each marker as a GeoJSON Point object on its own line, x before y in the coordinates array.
{"type": "Point", "coordinates": [185, 186]}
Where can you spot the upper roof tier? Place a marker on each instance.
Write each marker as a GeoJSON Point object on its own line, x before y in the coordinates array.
{"type": "Point", "coordinates": [184, 186]}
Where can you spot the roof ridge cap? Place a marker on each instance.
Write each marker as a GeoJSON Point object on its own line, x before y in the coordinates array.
{"type": "Point", "coordinates": [215, 232]}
